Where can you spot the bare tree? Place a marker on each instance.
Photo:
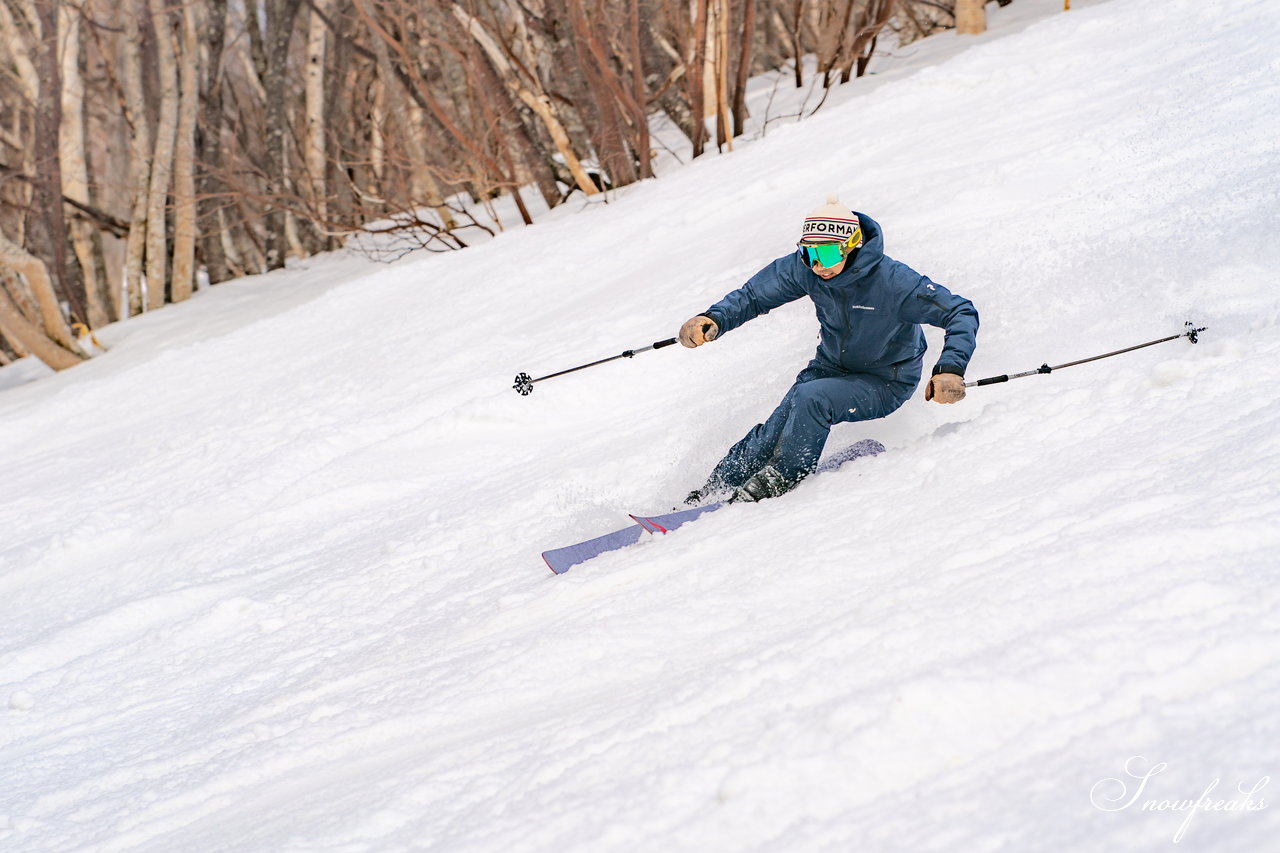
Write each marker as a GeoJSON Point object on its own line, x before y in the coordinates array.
{"type": "Point", "coordinates": [47, 230]}
{"type": "Point", "coordinates": [528, 88]}
{"type": "Point", "coordinates": [140, 153]}
{"type": "Point", "coordinates": [52, 343]}
{"type": "Point", "coordinates": [971, 17]}
{"type": "Point", "coordinates": [210, 198]}
{"type": "Point", "coordinates": [314, 155]}
{"type": "Point", "coordinates": [746, 43]}
{"type": "Point", "coordinates": [860, 39]}
{"type": "Point", "coordinates": [74, 167]}
{"type": "Point", "coordinates": [280, 18]}
{"type": "Point", "coordinates": [181, 140]}
{"type": "Point", "coordinates": [184, 159]}
{"type": "Point", "coordinates": [161, 156]}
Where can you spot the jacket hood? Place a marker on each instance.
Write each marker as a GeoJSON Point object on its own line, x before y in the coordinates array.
{"type": "Point", "coordinates": [863, 261]}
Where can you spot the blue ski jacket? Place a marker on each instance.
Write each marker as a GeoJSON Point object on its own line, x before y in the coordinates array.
{"type": "Point", "coordinates": [870, 313]}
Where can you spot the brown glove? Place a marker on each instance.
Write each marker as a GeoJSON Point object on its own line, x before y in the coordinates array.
{"type": "Point", "coordinates": [698, 331]}
{"type": "Point", "coordinates": [945, 388]}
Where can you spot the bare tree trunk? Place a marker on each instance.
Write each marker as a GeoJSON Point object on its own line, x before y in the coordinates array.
{"type": "Point", "coordinates": [139, 158]}
{"type": "Point", "coordinates": [724, 131]}
{"type": "Point", "coordinates": [604, 94]}
{"type": "Point", "coordinates": [424, 186]}
{"type": "Point", "coordinates": [162, 158]}
{"type": "Point", "coordinates": [695, 78]}
{"type": "Point", "coordinates": [209, 147]}
{"type": "Point", "coordinates": [24, 67]}
{"type": "Point", "coordinates": [798, 52]}
{"type": "Point", "coordinates": [377, 139]}
{"type": "Point", "coordinates": [535, 156]}
{"type": "Point", "coordinates": [184, 161]}
{"type": "Point", "coordinates": [54, 344]}
{"type": "Point", "coordinates": [29, 337]}
{"type": "Point", "coordinates": [73, 164]}
{"type": "Point", "coordinates": [971, 17]}
{"type": "Point", "coordinates": [835, 41]}
{"type": "Point", "coordinates": [744, 68]}
{"type": "Point", "coordinates": [47, 231]}
{"type": "Point", "coordinates": [280, 19]}
{"type": "Point", "coordinates": [874, 18]}
{"type": "Point", "coordinates": [639, 95]}
{"type": "Point", "coordinates": [314, 147]}
{"type": "Point", "coordinates": [538, 101]}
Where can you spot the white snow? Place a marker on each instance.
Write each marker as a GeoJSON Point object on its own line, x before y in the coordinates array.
{"type": "Point", "coordinates": [269, 574]}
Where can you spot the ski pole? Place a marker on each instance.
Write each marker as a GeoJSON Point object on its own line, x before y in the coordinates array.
{"type": "Point", "coordinates": [1192, 333]}
{"type": "Point", "coordinates": [524, 385]}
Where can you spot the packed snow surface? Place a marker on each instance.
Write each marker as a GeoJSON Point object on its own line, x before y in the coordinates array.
{"type": "Point", "coordinates": [270, 575]}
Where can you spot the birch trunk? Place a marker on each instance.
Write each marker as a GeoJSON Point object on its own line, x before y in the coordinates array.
{"type": "Point", "coordinates": [54, 344]}
{"type": "Point", "coordinates": [696, 78]}
{"type": "Point", "coordinates": [47, 229]}
{"type": "Point", "coordinates": [162, 159]}
{"type": "Point", "coordinates": [724, 127]}
{"type": "Point", "coordinates": [139, 159]}
{"type": "Point", "coordinates": [377, 144]}
{"type": "Point", "coordinates": [535, 157]}
{"type": "Point", "coordinates": [74, 166]}
{"type": "Point", "coordinates": [744, 68]}
{"type": "Point", "coordinates": [19, 54]}
{"type": "Point", "coordinates": [971, 17]}
{"type": "Point", "coordinates": [538, 100]}
{"type": "Point", "coordinates": [184, 161]}
{"type": "Point", "coordinates": [29, 337]}
{"type": "Point", "coordinates": [314, 147]}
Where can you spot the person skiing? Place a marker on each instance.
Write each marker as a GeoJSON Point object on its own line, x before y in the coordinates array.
{"type": "Point", "coordinates": [868, 362]}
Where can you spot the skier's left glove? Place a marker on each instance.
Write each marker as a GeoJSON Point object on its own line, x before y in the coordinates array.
{"type": "Point", "coordinates": [945, 388]}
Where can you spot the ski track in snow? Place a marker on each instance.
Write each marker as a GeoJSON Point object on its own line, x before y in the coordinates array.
{"type": "Point", "coordinates": [270, 573]}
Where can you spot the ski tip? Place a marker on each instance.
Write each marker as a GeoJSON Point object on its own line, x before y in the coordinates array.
{"type": "Point", "coordinates": [648, 523]}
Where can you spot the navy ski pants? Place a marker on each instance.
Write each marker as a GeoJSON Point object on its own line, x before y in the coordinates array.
{"type": "Point", "coordinates": [791, 440]}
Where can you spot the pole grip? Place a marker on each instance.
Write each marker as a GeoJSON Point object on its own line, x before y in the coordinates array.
{"type": "Point", "coordinates": [990, 380]}
{"type": "Point", "coordinates": [668, 342]}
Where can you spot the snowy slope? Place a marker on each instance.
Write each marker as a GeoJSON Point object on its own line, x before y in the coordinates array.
{"type": "Point", "coordinates": [269, 577]}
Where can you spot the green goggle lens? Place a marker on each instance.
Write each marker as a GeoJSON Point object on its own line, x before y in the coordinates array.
{"type": "Point", "coordinates": [830, 254]}
{"type": "Point", "coordinates": [826, 254]}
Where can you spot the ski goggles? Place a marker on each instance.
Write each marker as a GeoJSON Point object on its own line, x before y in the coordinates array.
{"type": "Point", "coordinates": [829, 254]}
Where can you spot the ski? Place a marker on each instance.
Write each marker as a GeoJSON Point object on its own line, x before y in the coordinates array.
{"type": "Point", "coordinates": [670, 521]}
{"type": "Point", "coordinates": [560, 560]}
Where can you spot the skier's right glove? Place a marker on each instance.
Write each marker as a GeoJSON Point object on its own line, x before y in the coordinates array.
{"type": "Point", "coordinates": [698, 331]}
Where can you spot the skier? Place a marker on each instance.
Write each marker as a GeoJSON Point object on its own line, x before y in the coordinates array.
{"type": "Point", "coordinates": [868, 363]}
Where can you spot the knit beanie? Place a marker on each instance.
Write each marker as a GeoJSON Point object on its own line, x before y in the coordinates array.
{"type": "Point", "coordinates": [831, 222]}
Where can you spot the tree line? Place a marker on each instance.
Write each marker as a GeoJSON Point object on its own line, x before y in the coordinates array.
{"type": "Point", "coordinates": [145, 143]}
